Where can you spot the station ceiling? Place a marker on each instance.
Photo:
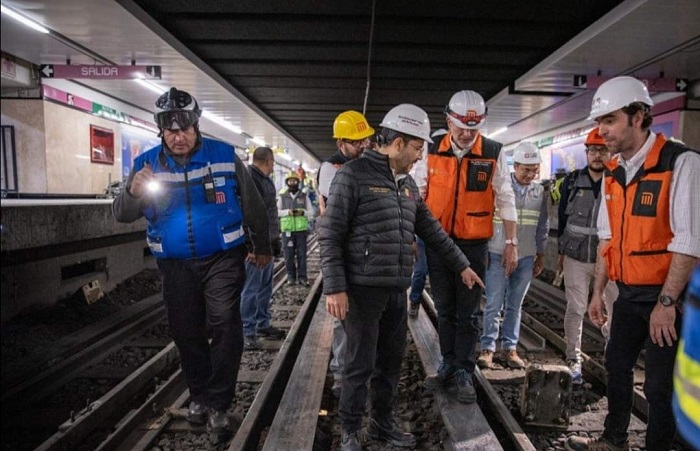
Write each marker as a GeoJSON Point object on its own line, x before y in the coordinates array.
{"type": "Point", "coordinates": [282, 71]}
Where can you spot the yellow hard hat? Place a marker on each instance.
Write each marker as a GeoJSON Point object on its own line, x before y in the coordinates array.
{"type": "Point", "coordinates": [292, 175]}
{"type": "Point", "coordinates": [351, 125]}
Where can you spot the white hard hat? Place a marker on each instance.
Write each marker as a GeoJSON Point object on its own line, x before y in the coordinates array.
{"type": "Point", "coordinates": [408, 119]}
{"type": "Point", "coordinates": [617, 93]}
{"type": "Point", "coordinates": [527, 153]}
{"type": "Point", "coordinates": [466, 110]}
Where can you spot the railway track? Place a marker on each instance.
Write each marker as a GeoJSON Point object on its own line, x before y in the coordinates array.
{"type": "Point", "coordinates": [96, 380]}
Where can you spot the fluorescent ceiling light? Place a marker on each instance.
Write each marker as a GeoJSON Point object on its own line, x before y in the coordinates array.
{"type": "Point", "coordinates": [497, 132]}
{"type": "Point", "coordinates": [150, 86]}
{"type": "Point", "coordinates": [284, 156]}
{"type": "Point", "coordinates": [221, 121]}
{"type": "Point", "coordinates": [24, 20]}
{"type": "Point", "coordinates": [258, 141]}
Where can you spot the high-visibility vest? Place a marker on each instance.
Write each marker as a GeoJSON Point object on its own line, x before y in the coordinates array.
{"type": "Point", "coordinates": [686, 377]}
{"type": "Point", "coordinates": [639, 215]}
{"type": "Point", "coordinates": [460, 193]}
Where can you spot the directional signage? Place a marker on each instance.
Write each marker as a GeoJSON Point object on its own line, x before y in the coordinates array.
{"type": "Point", "coordinates": [661, 84]}
{"type": "Point", "coordinates": [98, 72]}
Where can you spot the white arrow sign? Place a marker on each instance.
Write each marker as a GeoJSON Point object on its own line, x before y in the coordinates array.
{"type": "Point", "coordinates": [681, 84]}
{"type": "Point", "coordinates": [47, 70]}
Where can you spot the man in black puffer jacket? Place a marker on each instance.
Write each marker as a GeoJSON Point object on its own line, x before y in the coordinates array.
{"type": "Point", "coordinates": [373, 211]}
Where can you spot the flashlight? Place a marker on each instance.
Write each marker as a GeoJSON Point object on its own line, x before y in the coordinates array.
{"type": "Point", "coordinates": [153, 186]}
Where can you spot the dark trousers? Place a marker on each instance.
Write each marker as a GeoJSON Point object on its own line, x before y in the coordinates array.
{"type": "Point", "coordinates": [457, 305]}
{"type": "Point", "coordinates": [202, 298]}
{"type": "Point", "coordinates": [375, 326]}
{"type": "Point", "coordinates": [629, 334]}
{"type": "Point", "coordinates": [294, 244]}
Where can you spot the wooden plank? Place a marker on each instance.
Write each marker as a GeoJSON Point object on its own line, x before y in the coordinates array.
{"type": "Point", "coordinates": [297, 415]}
{"type": "Point", "coordinates": [465, 423]}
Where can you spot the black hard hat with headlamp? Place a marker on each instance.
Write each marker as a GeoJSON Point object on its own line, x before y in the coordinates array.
{"type": "Point", "coordinates": [176, 110]}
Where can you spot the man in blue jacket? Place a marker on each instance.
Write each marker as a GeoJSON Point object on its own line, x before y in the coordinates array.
{"type": "Point", "coordinates": [195, 193]}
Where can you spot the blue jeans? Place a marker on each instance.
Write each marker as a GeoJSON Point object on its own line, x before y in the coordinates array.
{"type": "Point", "coordinates": [420, 271]}
{"type": "Point", "coordinates": [255, 298]}
{"type": "Point", "coordinates": [507, 294]}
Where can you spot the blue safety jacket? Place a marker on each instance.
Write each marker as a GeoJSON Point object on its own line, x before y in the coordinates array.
{"type": "Point", "coordinates": [195, 212]}
{"type": "Point", "coordinates": [686, 399]}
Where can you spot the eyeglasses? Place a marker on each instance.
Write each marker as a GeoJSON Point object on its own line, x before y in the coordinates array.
{"type": "Point", "coordinates": [602, 151]}
{"type": "Point", "coordinates": [356, 142]}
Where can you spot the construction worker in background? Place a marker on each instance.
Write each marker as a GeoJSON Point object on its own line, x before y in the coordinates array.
{"type": "Point", "coordinates": [686, 400]}
{"type": "Point", "coordinates": [649, 230]}
{"type": "Point", "coordinates": [352, 134]}
{"type": "Point", "coordinates": [294, 209]}
{"type": "Point", "coordinates": [420, 266]}
{"type": "Point", "coordinates": [507, 293]}
{"type": "Point", "coordinates": [467, 175]}
{"type": "Point", "coordinates": [578, 246]}
{"type": "Point", "coordinates": [373, 211]}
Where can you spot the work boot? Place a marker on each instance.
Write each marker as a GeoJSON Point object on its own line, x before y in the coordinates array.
{"type": "Point", "coordinates": [485, 359]}
{"type": "Point", "coordinates": [350, 441]}
{"type": "Point", "coordinates": [413, 309]}
{"type": "Point", "coordinates": [444, 374]}
{"type": "Point", "coordinates": [250, 343]}
{"type": "Point", "coordinates": [303, 282]}
{"type": "Point", "coordinates": [465, 387]}
{"type": "Point", "coordinates": [291, 280]}
{"type": "Point", "coordinates": [218, 422]}
{"type": "Point", "coordinates": [271, 332]}
{"type": "Point", "coordinates": [513, 359]}
{"type": "Point", "coordinates": [388, 431]}
{"type": "Point", "coordinates": [588, 444]}
{"type": "Point", "coordinates": [575, 367]}
{"type": "Point", "coordinates": [197, 413]}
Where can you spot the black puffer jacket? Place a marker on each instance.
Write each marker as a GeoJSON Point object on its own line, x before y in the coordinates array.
{"type": "Point", "coordinates": [369, 226]}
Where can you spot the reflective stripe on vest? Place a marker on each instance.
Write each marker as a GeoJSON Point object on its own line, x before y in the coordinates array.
{"type": "Point", "coordinates": [581, 230]}
{"type": "Point", "coordinates": [459, 193]}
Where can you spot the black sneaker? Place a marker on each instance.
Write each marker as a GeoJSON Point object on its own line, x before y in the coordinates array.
{"type": "Point", "coordinates": [197, 413]}
{"type": "Point", "coordinates": [291, 281]}
{"type": "Point", "coordinates": [250, 343]}
{"type": "Point", "coordinates": [413, 309]}
{"type": "Point", "coordinates": [350, 441]}
{"type": "Point", "coordinates": [218, 422]}
{"type": "Point", "coordinates": [304, 282]}
{"type": "Point", "coordinates": [465, 387]}
{"type": "Point", "coordinates": [271, 332]}
{"type": "Point", "coordinates": [388, 431]}
{"type": "Point", "coordinates": [445, 373]}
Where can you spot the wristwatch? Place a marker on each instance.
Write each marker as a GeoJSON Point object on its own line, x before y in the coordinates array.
{"type": "Point", "coordinates": [514, 241]}
{"type": "Point", "coordinates": [666, 300]}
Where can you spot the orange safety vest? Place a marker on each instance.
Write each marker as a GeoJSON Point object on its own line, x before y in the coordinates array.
{"type": "Point", "coordinates": [460, 194]}
{"type": "Point", "coordinates": [639, 215]}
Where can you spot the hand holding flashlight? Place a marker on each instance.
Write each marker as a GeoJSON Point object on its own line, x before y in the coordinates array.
{"type": "Point", "coordinates": [143, 182]}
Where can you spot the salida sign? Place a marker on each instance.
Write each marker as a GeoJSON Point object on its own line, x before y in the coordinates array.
{"type": "Point", "coordinates": [99, 72]}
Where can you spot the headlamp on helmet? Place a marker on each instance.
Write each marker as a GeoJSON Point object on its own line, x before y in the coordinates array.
{"type": "Point", "coordinates": [176, 110]}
